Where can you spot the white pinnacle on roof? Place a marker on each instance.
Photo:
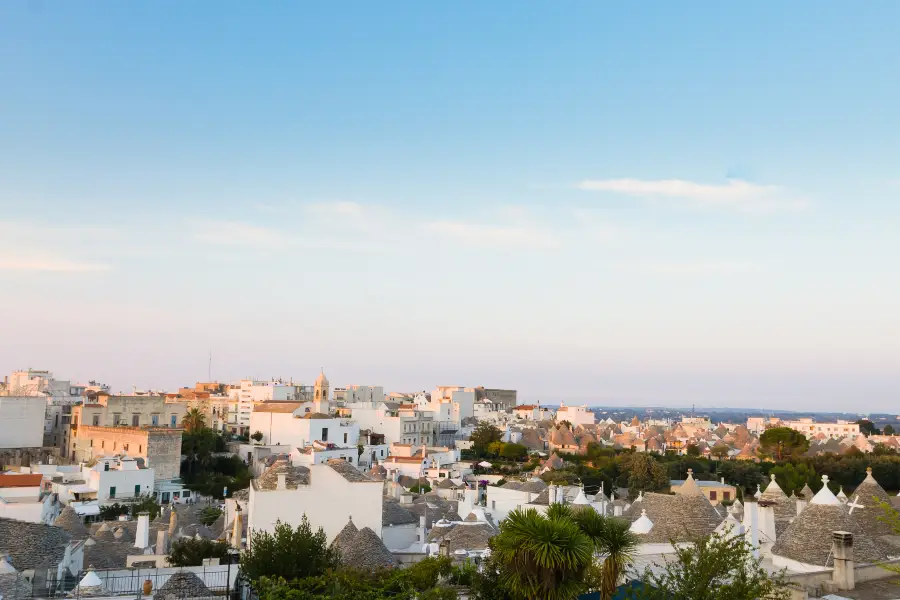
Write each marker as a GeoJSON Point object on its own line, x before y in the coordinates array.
{"type": "Point", "coordinates": [730, 527]}
{"type": "Point", "coordinates": [90, 580]}
{"type": "Point", "coordinates": [842, 496]}
{"type": "Point", "coordinates": [580, 498]}
{"type": "Point", "coordinates": [869, 478]}
{"type": "Point", "coordinates": [758, 491]}
{"type": "Point", "coordinates": [825, 495]}
{"type": "Point", "coordinates": [737, 504]}
{"type": "Point", "coordinates": [642, 525]}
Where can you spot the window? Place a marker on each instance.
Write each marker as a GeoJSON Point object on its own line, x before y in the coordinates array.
{"type": "Point", "coordinates": [106, 466]}
{"type": "Point", "coordinates": [135, 420]}
{"type": "Point", "coordinates": [112, 491]}
{"type": "Point", "coordinates": [174, 420]}
{"type": "Point", "coordinates": [102, 444]}
{"type": "Point", "coordinates": [137, 489]}
{"type": "Point", "coordinates": [345, 438]}
{"type": "Point", "coordinates": [154, 420]}
{"type": "Point", "coordinates": [382, 453]}
{"type": "Point", "coordinates": [726, 496]}
{"type": "Point", "coordinates": [712, 495]}
{"type": "Point", "coordinates": [56, 421]}
{"type": "Point", "coordinates": [324, 434]}
{"type": "Point", "coordinates": [117, 419]}
{"type": "Point", "coordinates": [186, 493]}
{"type": "Point", "coordinates": [125, 447]}
{"type": "Point", "coordinates": [95, 421]}
{"type": "Point", "coordinates": [140, 449]}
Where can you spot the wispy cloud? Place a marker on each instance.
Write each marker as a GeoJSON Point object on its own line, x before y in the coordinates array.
{"type": "Point", "coordinates": [244, 235]}
{"type": "Point", "coordinates": [49, 265]}
{"type": "Point", "coordinates": [496, 235]}
{"type": "Point", "coordinates": [734, 193]}
{"type": "Point", "coordinates": [691, 268]}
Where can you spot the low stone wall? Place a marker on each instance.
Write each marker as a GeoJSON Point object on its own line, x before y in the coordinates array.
{"type": "Point", "coordinates": [818, 583]}
{"type": "Point", "coordinates": [25, 457]}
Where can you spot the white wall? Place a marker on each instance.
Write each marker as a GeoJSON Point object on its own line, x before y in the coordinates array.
{"type": "Point", "coordinates": [400, 537]}
{"type": "Point", "coordinates": [124, 481]}
{"type": "Point", "coordinates": [328, 502]}
{"type": "Point", "coordinates": [22, 421]}
{"type": "Point", "coordinates": [285, 429]}
{"type": "Point", "coordinates": [501, 501]}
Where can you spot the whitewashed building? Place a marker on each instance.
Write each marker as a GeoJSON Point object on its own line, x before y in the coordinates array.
{"type": "Point", "coordinates": [328, 494]}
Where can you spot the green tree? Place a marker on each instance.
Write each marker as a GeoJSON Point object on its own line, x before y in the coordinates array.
{"type": "Point", "coordinates": [146, 504]}
{"type": "Point", "coordinates": [888, 429]}
{"type": "Point", "coordinates": [541, 556]}
{"type": "Point", "coordinates": [257, 436]}
{"type": "Point", "coordinates": [112, 512]}
{"type": "Point", "coordinates": [210, 515]}
{"type": "Point", "coordinates": [867, 427]}
{"type": "Point", "coordinates": [193, 421]}
{"type": "Point", "coordinates": [742, 473]}
{"type": "Point", "coordinates": [514, 451]}
{"type": "Point", "coordinates": [288, 553]}
{"type": "Point", "coordinates": [693, 450]}
{"type": "Point", "coordinates": [643, 473]}
{"type": "Point", "coordinates": [495, 448]}
{"type": "Point", "coordinates": [420, 488]}
{"type": "Point", "coordinates": [720, 451]}
{"type": "Point", "coordinates": [713, 568]}
{"type": "Point", "coordinates": [782, 443]}
{"type": "Point", "coordinates": [793, 476]}
{"type": "Point", "coordinates": [190, 552]}
{"type": "Point", "coordinates": [612, 539]}
{"type": "Point", "coordinates": [483, 436]}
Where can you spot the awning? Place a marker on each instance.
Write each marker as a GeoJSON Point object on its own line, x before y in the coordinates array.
{"type": "Point", "coordinates": [86, 509]}
{"type": "Point", "coordinates": [484, 464]}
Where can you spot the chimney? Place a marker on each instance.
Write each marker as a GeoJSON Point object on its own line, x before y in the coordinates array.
{"type": "Point", "coordinates": [162, 542]}
{"type": "Point", "coordinates": [617, 510]}
{"type": "Point", "coordinates": [801, 504]}
{"type": "Point", "coordinates": [282, 482]}
{"type": "Point", "coordinates": [237, 533]}
{"type": "Point", "coordinates": [142, 535]}
{"type": "Point", "coordinates": [551, 495]}
{"type": "Point", "coordinates": [767, 521]}
{"type": "Point", "coordinates": [751, 523]}
{"type": "Point", "coordinates": [842, 547]}
{"type": "Point", "coordinates": [173, 522]}
{"type": "Point", "coordinates": [406, 498]}
{"type": "Point", "coordinates": [420, 531]}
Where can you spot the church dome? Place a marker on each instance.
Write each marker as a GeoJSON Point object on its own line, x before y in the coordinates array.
{"type": "Point", "coordinates": [321, 380]}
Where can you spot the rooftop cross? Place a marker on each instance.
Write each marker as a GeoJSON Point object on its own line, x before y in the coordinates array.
{"type": "Point", "coordinates": [855, 504]}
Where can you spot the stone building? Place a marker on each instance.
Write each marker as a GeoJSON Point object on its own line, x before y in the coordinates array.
{"type": "Point", "coordinates": [104, 410]}
{"type": "Point", "coordinates": [160, 447]}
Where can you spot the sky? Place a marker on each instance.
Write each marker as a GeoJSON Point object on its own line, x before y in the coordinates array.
{"type": "Point", "coordinates": [613, 203]}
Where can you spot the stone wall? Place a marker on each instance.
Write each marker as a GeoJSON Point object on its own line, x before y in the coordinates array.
{"type": "Point", "coordinates": [25, 457]}
{"type": "Point", "coordinates": [160, 447]}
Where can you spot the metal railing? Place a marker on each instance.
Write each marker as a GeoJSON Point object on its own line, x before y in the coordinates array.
{"type": "Point", "coordinates": [218, 582]}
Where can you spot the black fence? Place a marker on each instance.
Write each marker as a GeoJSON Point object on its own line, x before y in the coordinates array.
{"type": "Point", "coordinates": [219, 582]}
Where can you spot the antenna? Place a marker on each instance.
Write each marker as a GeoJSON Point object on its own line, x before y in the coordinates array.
{"type": "Point", "coordinates": [209, 367]}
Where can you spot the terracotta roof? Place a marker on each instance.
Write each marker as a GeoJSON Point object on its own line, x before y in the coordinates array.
{"type": "Point", "coordinates": [276, 407]}
{"type": "Point", "coordinates": [526, 407]}
{"type": "Point", "coordinates": [20, 480]}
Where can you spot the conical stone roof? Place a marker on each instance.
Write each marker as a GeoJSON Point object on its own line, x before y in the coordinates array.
{"type": "Point", "coordinates": [182, 585]}
{"type": "Point", "coordinates": [69, 520]}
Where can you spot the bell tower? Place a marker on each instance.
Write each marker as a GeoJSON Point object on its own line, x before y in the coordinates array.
{"type": "Point", "coordinates": [320, 397]}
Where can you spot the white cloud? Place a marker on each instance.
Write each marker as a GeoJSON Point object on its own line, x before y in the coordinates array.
{"type": "Point", "coordinates": [494, 235]}
{"type": "Point", "coordinates": [49, 265]}
{"type": "Point", "coordinates": [233, 233]}
{"type": "Point", "coordinates": [734, 193]}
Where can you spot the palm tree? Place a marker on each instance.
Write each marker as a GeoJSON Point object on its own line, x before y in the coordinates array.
{"type": "Point", "coordinates": [193, 421]}
{"type": "Point", "coordinates": [542, 557]}
{"type": "Point", "coordinates": [612, 540]}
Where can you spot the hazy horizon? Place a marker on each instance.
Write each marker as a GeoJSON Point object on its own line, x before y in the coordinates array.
{"type": "Point", "coordinates": [680, 203]}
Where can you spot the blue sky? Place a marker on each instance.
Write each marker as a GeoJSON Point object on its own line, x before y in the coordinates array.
{"type": "Point", "coordinates": [662, 203]}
